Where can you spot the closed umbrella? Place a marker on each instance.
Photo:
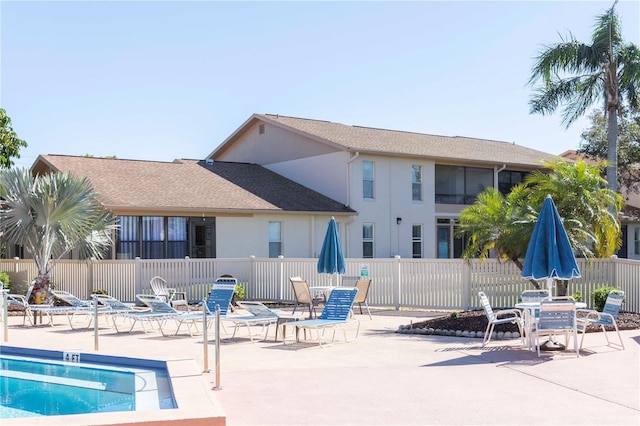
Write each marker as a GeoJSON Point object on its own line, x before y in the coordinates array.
{"type": "Point", "coordinates": [331, 260]}
{"type": "Point", "coordinates": [549, 254]}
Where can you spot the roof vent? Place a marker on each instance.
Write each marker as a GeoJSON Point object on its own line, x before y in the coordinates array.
{"type": "Point", "coordinates": [209, 161]}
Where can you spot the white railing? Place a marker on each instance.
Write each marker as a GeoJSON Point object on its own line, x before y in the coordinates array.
{"type": "Point", "coordinates": [397, 283]}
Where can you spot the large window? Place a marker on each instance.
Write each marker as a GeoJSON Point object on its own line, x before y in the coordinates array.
{"type": "Point", "coordinates": [367, 180]}
{"type": "Point", "coordinates": [275, 239]}
{"type": "Point", "coordinates": [152, 237]}
{"type": "Point", "coordinates": [416, 183]}
{"type": "Point", "coordinates": [416, 241]}
{"type": "Point", "coordinates": [636, 240]}
{"type": "Point", "coordinates": [461, 185]}
{"type": "Point", "coordinates": [507, 179]}
{"type": "Point", "coordinates": [367, 240]}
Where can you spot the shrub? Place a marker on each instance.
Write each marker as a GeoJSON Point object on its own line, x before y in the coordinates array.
{"type": "Point", "coordinates": [239, 291]}
{"type": "Point", "coordinates": [100, 291]}
{"type": "Point", "coordinates": [599, 296]}
{"type": "Point", "coordinates": [6, 281]}
{"type": "Point", "coordinates": [577, 296]}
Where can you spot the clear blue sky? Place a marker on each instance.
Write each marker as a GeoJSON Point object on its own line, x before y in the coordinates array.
{"type": "Point", "coordinates": [165, 80]}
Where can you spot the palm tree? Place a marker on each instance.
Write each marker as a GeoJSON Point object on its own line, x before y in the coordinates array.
{"type": "Point", "coordinates": [578, 75]}
{"type": "Point", "coordinates": [502, 224]}
{"type": "Point", "coordinates": [51, 215]}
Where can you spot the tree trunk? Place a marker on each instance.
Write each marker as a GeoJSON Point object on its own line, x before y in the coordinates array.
{"type": "Point", "coordinates": [611, 97]}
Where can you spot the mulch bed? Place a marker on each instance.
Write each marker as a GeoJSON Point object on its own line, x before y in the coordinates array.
{"type": "Point", "coordinates": [476, 320]}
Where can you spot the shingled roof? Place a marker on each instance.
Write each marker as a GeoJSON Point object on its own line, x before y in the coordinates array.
{"type": "Point", "coordinates": [394, 142]}
{"type": "Point", "coordinates": [191, 185]}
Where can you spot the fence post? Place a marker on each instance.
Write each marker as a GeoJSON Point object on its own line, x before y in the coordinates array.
{"type": "Point", "coordinates": [466, 286]}
{"type": "Point", "coordinates": [396, 283]}
{"type": "Point", "coordinates": [252, 278]}
{"type": "Point", "coordinates": [138, 276]}
{"type": "Point", "coordinates": [280, 277]}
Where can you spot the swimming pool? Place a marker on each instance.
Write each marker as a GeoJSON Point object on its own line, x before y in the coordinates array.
{"type": "Point", "coordinates": [41, 383]}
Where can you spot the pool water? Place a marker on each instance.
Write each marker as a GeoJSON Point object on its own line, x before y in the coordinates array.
{"type": "Point", "coordinates": [43, 386]}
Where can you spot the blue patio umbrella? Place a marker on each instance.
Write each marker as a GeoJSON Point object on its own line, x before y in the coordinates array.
{"type": "Point", "coordinates": [331, 260]}
{"type": "Point", "coordinates": [549, 254]}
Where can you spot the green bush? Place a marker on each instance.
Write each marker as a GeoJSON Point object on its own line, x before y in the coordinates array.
{"type": "Point", "coordinates": [239, 291]}
{"type": "Point", "coordinates": [599, 296]}
{"type": "Point", "coordinates": [577, 296]}
{"type": "Point", "coordinates": [6, 281]}
{"type": "Point", "coordinates": [100, 291]}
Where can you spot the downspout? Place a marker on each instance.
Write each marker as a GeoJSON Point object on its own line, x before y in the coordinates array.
{"type": "Point", "coordinates": [351, 219]}
{"type": "Point", "coordinates": [495, 175]}
{"type": "Point", "coordinates": [357, 154]}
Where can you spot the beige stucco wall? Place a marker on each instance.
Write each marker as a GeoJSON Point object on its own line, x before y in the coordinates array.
{"type": "Point", "coordinates": [273, 146]}
{"type": "Point", "coordinates": [302, 235]}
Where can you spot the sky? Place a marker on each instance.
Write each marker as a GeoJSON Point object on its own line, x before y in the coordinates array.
{"type": "Point", "coordinates": [161, 80]}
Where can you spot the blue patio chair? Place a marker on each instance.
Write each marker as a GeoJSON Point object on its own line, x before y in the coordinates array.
{"type": "Point", "coordinates": [220, 297]}
{"type": "Point", "coordinates": [335, 314]}
{"type": "Point", "coordinates": [261, 315]}
{"type": "Point", "coordinates": [503, 316]}
{"type": "Point", "coordinates": [159, 314]}
{"type": "Point", "coordinates": [606, 318]}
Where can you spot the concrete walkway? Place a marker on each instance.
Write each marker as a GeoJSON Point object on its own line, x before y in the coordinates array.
{"type": "Point", "coordinates": [385, 378]}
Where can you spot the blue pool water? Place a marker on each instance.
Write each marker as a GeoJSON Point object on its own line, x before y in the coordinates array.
{"type": "Point", "coordinates": [40, 383]}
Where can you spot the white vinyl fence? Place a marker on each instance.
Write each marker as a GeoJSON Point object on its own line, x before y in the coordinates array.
{"type": "Point", "coordinates": [447, 284]}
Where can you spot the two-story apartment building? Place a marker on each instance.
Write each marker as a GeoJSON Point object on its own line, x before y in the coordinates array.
{"type": "Point", "coordinates": [270, 188]}
{"type": "Point", "coordinates": [408, 188]}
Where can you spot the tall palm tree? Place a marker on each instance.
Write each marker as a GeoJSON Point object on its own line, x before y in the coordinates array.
{"type": "Point", "coordinates": [578, 75]}
{"type": "Point", "coordinates": [52, 214]}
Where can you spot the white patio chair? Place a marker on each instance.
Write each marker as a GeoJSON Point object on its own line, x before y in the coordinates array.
{"type": "Point", "coordinates": [557, 316]}
{"type": "Point", "coordinates": [606, 318]}
{"type": "Point", "coordinates": [499, 317]}
{"type": "Point", "coordinates": [170, 295]}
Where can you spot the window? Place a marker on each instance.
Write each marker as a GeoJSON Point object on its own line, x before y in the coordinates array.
{"type": "Point", "coordinates": [450, 246]}
{"type": "Point", "coordinates": [127, 241]}
{"type": "Point", "coordinates": [177, 242]}
{"type": "Point", "coordinates": [367, 240]}
{"type": "Point", "coordinates": [416, 183]}
{"type": "Point", "coordinates": [153, 237]}
{"type": "Point", "coordinates": [416, 241]}
{"type": "Point", "coordinates": [507, 179]}
{"type": "Point", "coordinates": [461, 185]}
{"type": "Point", "coordinates": [636, 240]}
{"type": "Point", "coordinates": [261, 129]}
{"type": "Point", "coordinates": [144, 237]}
{"type": "Point", "coordinates": [367, 180]}
{"type": "Point", "coordinates": [275, 239]}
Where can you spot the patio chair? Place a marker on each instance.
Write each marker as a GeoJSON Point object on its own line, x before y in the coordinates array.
{"type": "Point", "coordinates": [363, 285]}
{"type": "Point", "coordinates": [335, 315]}
{"type": "Point", "coordinates": [303, 296]}
{"type": "Point", "coordinates": [35, 309]}
{"type": "Point", "coordinates": [557, 316]}
{"type": "Point", "coordinates": [606, 318]}
{"type": "Point", "coordinates": [116, 306]}
{"type": "Point", "coordinates": [78, 307]}
{"type": "Point", "coordinates": [261, 315]}
{"type": "Point", "coordinates": [499, 317]}
{"type": "Point", "coordinates": [159, 314]}
{"type": "Point", "coordinates": [219, 296]}
{"type": "Point", "coordinates": [170, 295]}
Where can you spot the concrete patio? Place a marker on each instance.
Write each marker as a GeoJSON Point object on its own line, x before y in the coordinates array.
{"type": "Point", "coordinates": [382, 378]}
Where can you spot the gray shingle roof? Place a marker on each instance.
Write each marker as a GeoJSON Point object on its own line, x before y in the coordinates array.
{"type": "Point", "coordinates": [185, 185]}
{"type": "Point", "coordinates": [394, 142]}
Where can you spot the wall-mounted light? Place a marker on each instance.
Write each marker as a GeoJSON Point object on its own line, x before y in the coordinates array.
{"type": "Point", "coordinates": [398, 220]}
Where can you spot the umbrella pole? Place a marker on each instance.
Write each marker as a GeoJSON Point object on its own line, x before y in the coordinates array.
{"type": "Point", "coordinates": [551, 344]}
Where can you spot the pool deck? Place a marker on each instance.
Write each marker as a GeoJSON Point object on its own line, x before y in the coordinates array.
{"type": "Point", "coordinates": [381, 378]}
